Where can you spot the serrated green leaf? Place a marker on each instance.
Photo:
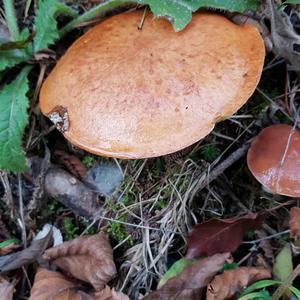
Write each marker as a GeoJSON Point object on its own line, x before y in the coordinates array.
{"type": "Point", "coordinates": [13, 119]}
{"type": "Point", "coordinates": [9, 56]}
{"type": "Point", "coordinates": [179, 12]}
{"type": "Point", "coordinates": [283, 266]}
{"type": "Point", "coordinates": [45, 24]}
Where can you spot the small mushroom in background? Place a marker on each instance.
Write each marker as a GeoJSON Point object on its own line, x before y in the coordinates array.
{"type": "Point", "coordinates": [129, 93]}
{"type": "Point", "coordinates": [274, 159]}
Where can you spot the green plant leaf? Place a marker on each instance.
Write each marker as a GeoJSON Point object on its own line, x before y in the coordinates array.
{"type": "Point", "coordinates": [45, 24]}
{"type": "Point", "coordinates": [13, 119]}
{"type": "Point", "coordinates": [262, 295]}
{"type": "Point", "coordinates": [295, 291]}
{"type": "Point", "coordinates": [13, 53]}
{"type": "Point", "coordinates": [260, 285]}
{"type": "Point", "coordinates": [175, 270]}
{"type": "Point", "coordinates": [292, 2]}
{"type": "Point", "coordinates": [179, 12]}
{"type": "Point", "coordinates": [8, 242]}
{"type": "Point", "coordinates": [283, 265]}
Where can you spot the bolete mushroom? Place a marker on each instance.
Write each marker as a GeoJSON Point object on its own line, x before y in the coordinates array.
{"type": "Point", "coordinates": [274, 159]}
{"type": "Point", "coordinates": [129, 93]}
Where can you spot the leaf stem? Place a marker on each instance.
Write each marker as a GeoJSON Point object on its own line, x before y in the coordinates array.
{"type": "Point", "coordinates": [11, 19]}
{"type": "Point", "coordinates": [91, 14]}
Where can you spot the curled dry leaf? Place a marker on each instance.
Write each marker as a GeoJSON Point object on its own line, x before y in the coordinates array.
{"type": "Point", "coordinates": [6, 290]}
{"type": "Point", "coordinates": [219, 236]}
{"type": "Point", "coordinates": [88, 258]}
{"type": "Point", "coordinates": [274, 159]}
{"type": "Point", "coordinates": [295, 222]}
{"type": "Point", "coordinates": [110, 294]}
{"type": "Point", "coordinates": [55, 286]}
{"type": "Point", "coordinates": [191, 279]}
{"type": "Point", "coordinates": [230, 282]}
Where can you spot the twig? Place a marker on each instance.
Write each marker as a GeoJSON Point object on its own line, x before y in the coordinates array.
{"type": "Point", "coordinates": [267, 237]}
{"type": "Point", "coordinates": [21, 210]}
{"type": "Point", "coordinates": [11, 19]}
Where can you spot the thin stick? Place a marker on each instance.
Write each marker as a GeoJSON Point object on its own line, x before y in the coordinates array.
{"type": "Point", "coordinates": [267, 237]}
{"type": "Point", "coordinates": [21, 210]}
{"type": "Point", "coordinates": [11, 19]}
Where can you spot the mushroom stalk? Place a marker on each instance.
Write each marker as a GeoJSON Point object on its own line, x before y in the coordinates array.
{"type": "Point", "coordinates": [11, 19]}
{"type": "Point", "coordinates": [91, 14]}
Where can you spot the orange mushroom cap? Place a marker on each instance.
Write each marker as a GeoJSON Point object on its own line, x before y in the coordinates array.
{"type": "Point", "coordinates": [274, 159]}
{"type": "Point", "coordinates": [128, 93]}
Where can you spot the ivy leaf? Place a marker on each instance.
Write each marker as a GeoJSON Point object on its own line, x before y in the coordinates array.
{"type": "Point", "coordinates": [13, 119]}
{"type": "Point", "coordinates": [45, 24]}
{"type": "Point", "coordinates": [179, 12]}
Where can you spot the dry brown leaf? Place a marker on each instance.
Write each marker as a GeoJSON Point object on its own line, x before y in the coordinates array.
{"type": "Point", "coordinates": [55, 286]}
{"type": "Point", "coordinates": [191, 279]}
{"type": "Point", "coordinates": [6, 290]}
{"type": "Point", "coordinates": [110, 294]}
{"type": "Point", "coordinates": [88, 258]}
{"type": "Point", "coordinates": [230, 282]}
{"type": "Point", "coordinates": [220, 235]}
{"type": "Point", "coordinates": [295, 222]}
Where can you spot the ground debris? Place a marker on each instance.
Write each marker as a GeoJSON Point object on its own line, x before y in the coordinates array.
{"type": "Point", "coordinates": [187, 284]}
{"type": "Point", "coordinates": [226, 285]}
{"type": "Point", "coordinates": [72, 193]}
{"type": "Point", "coordinates": [88, 258]}
{"type": "Point", "coordinates": [29, 255]}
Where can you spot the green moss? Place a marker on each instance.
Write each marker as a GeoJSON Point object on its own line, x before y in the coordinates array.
{"type": "Point", "coordinates": [210, 152]}
{"type": "Point", "coordinates": [88, 161]}
{"type": "Point", "coordinates": [70, 230]}
{"type": "Point", "coordinates": [118, 231]}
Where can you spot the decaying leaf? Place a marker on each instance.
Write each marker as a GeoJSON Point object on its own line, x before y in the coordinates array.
{"type": "Point", "coordinates": [55, 286]}
{"type": "Point", "coordinates": [227, 284]}
{"type": "Point", "coordinates": [191, 279]}
{"type": "Point", "coordinates": [88, 258]}
{"type": "Point", "coordinates": [219, 236]}
{"type": "Point", "coordinates": [295, 222]}
{"type": "Point", "coordinates": [6, 290]}
{"type": "Point", "coordinates": [110, 294]}
{"type": "Point", "coordinates": [31, 254]}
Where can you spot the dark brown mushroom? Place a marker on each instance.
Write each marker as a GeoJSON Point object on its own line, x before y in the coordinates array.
{"type": "Point", "coordinates": [274, 159]}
